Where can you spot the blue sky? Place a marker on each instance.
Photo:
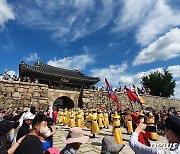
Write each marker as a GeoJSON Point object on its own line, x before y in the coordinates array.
{"type": "Point", "coordinates": [117, 39]}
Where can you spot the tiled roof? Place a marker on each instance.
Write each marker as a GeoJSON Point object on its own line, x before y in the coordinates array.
{"type": "Point", "coordinates": [42, 68]}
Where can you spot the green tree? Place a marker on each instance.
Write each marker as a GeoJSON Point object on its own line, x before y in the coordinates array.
{"type": "Point", "coordinates": [160, 84]}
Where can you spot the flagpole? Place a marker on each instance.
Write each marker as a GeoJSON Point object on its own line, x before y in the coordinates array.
{"type": "Point", "coordinates": [142, 106]}
{"type": "Point", "coordinates": [131, 105]}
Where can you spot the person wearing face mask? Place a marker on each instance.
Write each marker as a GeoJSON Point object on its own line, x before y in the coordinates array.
{"type": "Point", "coordinates": [172, 133]}
{"type": "Point", "coordinates": [43, 138]}
{"type": "Point", "coordinates": [25, 128]}
{"type": "Point", "coordinates": [31, 143]}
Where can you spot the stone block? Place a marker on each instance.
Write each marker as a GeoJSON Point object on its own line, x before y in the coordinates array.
{"type": "Point", "coordinates": [16, 95]}
{"type": "Point", "coordinates": [26, 97]}
{"type": "Point", "coordinates": [42, 102]}
{"type": "Point", "coordinates": [16, 86]}
{"type": "Point", "coordinates": [9, 85]}
{"type": "Point", "coordinates": [43, 94]}
{"type": "Point", "coordinates": [27, 94]}
{"type": "Point", "coordinates": [9, 101]}
{"type": "Point", "coordinates": [43, 88]}
{"type": "Point", "coordinates": [2, 89]}
{"type": "Point", "coordinates": [10, 89]}
{"type": "Point", "coordinates": [26, 102]}
{"type": "Point", "coordinates": [34, 100]}
{"type": "Point", "coordinates": [31, 90]}
{"type": "Point", "coordinates": [21, 90]}
{"type": "Point", "coordinates": [36, 94]}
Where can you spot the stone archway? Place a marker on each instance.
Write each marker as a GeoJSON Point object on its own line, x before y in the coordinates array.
{"type": "Point", "coordinates": [63, 102]}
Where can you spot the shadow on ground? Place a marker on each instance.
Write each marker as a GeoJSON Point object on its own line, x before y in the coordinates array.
{"type": "Point", "coordinates": [96, 144]}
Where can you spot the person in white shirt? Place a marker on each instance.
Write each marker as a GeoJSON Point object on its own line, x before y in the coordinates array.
{"type": "Point", "coordinates": [172, 133]}
{"type": "Point", "coordinates": [1, 77]}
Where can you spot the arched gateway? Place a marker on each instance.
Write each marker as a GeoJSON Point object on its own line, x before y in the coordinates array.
{"type": "Point", "coordinates": [63, 102]}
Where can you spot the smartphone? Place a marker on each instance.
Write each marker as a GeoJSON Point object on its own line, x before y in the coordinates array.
{"type": "Point", "coordinates": [150, 129]}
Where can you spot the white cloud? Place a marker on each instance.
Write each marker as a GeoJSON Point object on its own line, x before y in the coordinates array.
{"type": "Point", "coordinates": [116, 74]}
{"type": "Point", "coordinates": [127, 51]}
{"type": "Point", "coordinates": [135, 79]}
{"type": "Point", "coordinates": [6, 12]}
{"type": "Point", "coordinates": [166, 47]}
{"type": "Point", "coordinates": [75, 62]}
{"type": "Point", "coordinates": [175, 70]}
{"type": "Point", "coordinates": [113, 44]}
{"type": "Point", "coordinates": [112, 73]}
{"type": "Point", "coordinates": [32, 57]}
{"type": "Point", "coordinates": [133, 12]}
{"type": "Point", "coordinates": [160, 19]}
{"type": "Point", "coordinates": [177, 90]}
{"type": "Point", "coordinates": [151, 18]}
{"type": "Point", "coordinates": [66, 20]}
{"type": "Point", "coordinates": [11, 73]}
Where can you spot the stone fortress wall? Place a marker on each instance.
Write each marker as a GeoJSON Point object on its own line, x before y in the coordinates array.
{"type": "Point", "coordinates": [21, 94]}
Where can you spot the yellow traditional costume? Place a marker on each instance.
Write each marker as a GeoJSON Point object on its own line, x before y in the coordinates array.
{"type": "Point", "coordinates": [151, 122]}
{"type": "Point", "coordinates": [116, 128]}
{"type": "Point", "coordinates": [65, 117]}
{"type": "Point", "coordinates": [72, 121]}
{"type": "Point", "coordinates": [60, 116]}
{"type": "Point", "coordinates": [100, 120]}
{"type": "Point", "coordinates": [79, 120]}
{"type": "Point", "coordinates": [94, 125]}
{"type": "Point", "coordinates": [128, 122]}
{"type": "Point", "coordinates": [106, 120]}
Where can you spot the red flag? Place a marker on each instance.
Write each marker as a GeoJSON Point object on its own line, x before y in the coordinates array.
{"type": "Point", "coordinates": [131, 95]}
{"type": "Point", "coordinates": [112, 95]}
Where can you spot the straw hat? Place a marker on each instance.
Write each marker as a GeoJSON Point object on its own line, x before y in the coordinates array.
{"type": "Point", "coordinates": [150, 114]}
{"type": "Point", "coordinates": [116, 115]}
{"type": "Point", "coordinates": [141, 113]}
{"type": "Point", "coordinates": [75, 135]}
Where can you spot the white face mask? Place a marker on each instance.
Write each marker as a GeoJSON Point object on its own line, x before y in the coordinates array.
{"type": "Point", "coordinates": [47, 134]}
{"type": "Point", "coordinates": [44, 130]}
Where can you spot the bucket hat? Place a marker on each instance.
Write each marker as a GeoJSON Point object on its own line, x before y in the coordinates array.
{"type": "Point", "coordinates": [75, 135]}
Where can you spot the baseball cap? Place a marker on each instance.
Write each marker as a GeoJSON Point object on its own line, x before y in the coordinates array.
{"type": "Point", "coordinates": [28, 115]}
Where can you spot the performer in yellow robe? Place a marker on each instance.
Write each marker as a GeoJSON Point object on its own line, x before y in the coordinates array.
{"type": "Point", "coordinates": [72, 121]}
{"type": "Point", "coordinates": [79, 120]}
{"type": "Point", "coordinates": [116, 128]}
{"type": "Point", "coordinates": [82, 118]}
{"type": "Point", "coordinates": [100, 120]}
{"type": "Point", "coordinates": [128, 122]}
{"type": "Point", "coordinates": [60, 116]}
{"type": "Point", "coordinates": [94, 125]}
{"type": "Point", "coordinates": [106, 120]}
{"type": "Point", "coordinates": [65, 120]}
{"type": "Point", "coordinates": [151, 122]}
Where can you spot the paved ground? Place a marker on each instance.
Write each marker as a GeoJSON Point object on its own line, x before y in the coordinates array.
{"type": "Point", "coordinates": [94, 144]}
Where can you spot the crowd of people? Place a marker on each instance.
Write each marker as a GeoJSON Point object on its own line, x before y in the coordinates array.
{"type": "Point", "coordinates": [30, 132]}
{"type": "Point", "coordinates": [6, 76]}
